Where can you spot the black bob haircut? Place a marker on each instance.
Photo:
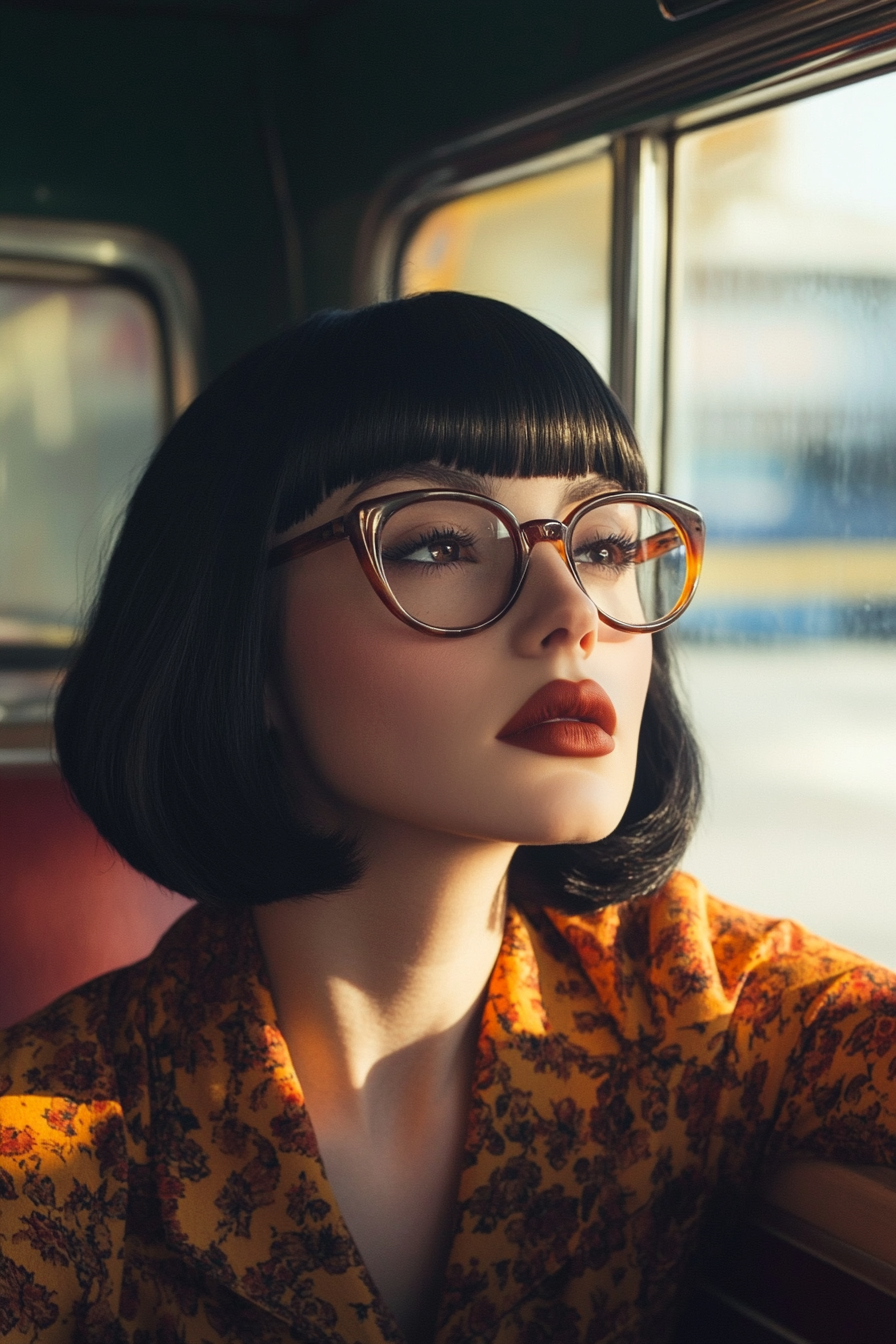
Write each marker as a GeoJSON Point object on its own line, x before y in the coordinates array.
{"type": "Point", "coordinates": [160, 725]}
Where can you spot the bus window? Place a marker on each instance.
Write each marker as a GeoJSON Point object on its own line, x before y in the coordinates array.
{"type": "Point", "coordinates": [541, 243]}
{"type": "Point", "coordinates": [782, 425]}
{"type": "Point", "coordinates": [82, 403]}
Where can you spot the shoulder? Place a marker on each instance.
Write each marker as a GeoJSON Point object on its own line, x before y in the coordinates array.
{"type": "Point", "coordinates": [63, 1164]}
{"type": "Point", "coordinates": [56, 1071]}
{"type": "Point", "coordinates": [762, 1028]}
{"type": "Point", "coordinates": [698, 958]}
{"type": "Point", "coordinates": [70, 1073]}
{"type": "Point", "coordinates": [72, 1086]}
{"type": "Point", "coordinates": [75, 1049]}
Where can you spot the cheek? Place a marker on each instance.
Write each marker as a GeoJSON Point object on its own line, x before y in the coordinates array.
{"type": "Point", "coordinates": [628, 678]}
{"type": "Point", "coordinates": [374, 702]}
{"type": "Point", "coordinates": [627, 665]}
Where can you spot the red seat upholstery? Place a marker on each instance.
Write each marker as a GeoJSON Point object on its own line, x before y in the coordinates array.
{"type": "Point", "coordinates": [70, 908]}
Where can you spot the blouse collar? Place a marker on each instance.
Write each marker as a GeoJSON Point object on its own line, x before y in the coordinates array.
{"type": "Point", "coordinates": [237, 1171]}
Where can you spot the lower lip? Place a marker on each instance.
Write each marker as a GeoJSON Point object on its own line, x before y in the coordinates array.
{"type": "Point", "coordinates": [563, 737]}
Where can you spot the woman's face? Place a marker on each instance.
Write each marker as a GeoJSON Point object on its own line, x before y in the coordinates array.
{"type": "Point", "coordinates": [381, 720]}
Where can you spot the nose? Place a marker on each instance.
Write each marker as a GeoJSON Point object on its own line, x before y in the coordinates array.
{"type": "Point", "coordinates": [552, 610]}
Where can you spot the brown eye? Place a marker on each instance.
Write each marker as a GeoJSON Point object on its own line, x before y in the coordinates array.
{"type": "Point", "coordinates": [444, 551]}
{"type": "Point", "coordinates": [608, 551]}
{"type": "Point", "coordinates": [437, 549]}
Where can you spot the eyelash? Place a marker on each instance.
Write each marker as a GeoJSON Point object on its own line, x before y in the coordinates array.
{"type": "Point", "coordinates": [437, 535]}
{"type": "Point", "coordinates": [628, 548]}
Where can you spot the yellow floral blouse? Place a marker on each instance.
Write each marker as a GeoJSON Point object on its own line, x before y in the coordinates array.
{"type": "Point", "coordinates": [160, 1181]}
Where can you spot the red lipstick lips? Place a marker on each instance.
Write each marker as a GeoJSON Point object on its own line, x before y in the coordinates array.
{"type": "Point", "coordinates": [564, 718]}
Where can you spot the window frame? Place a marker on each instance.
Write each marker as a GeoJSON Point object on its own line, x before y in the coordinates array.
{"type": "Point", "coordinates": [747, 63]}
{"type": "Point", "coordinates": [78, 252]}
{"type": "Point", "coordinates": [75, 252]}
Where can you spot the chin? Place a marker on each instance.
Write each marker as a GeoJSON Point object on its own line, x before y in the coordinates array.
{"type": "Point", "coordinates": [587, 835]}
{"type": "Point", "coordinates": [557, 802]}
{"type": "Point", "coordinates": [575, 824]}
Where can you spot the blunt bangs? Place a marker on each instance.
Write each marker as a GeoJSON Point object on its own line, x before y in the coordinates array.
{"type": "Point", "coordinates": [450, 378]}
{"type": "Point", "coordinates": [161, 730]}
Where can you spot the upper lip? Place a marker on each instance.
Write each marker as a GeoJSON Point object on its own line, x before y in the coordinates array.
{"type": "Point", "coordinates": [582, 700]}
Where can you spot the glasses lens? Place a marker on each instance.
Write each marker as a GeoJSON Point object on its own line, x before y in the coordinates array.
{"type": "Point", "coordinates": [448, 563]}
{"type": "Point", "coordinates": [631, 560]}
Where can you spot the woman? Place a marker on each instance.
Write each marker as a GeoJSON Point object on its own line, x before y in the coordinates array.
{"type": "Point", "coordinates": [446, 1050]}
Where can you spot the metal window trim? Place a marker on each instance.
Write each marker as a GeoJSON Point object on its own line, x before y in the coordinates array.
{"type": "Point", "coordinates": [652, 247]}
{"type": "Point", "coordinates": [819, 76]}
{"type": "Point", "coordinates": [115, 253]}
{"type": "Point", "coordinates": [677, 11]}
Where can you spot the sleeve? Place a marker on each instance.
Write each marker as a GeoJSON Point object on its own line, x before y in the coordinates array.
{"type": "Point", "coordinates": [838, 1092]}
{"type": "Point", "coordinates": [63, 1173]}
{"type": "Point", "coordinates": [810, 1064]}
{"type": "Point", "coordinates": [768, 1041]}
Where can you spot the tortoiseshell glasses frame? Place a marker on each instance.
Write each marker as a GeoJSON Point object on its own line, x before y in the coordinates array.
{"type": "Point", "coordinates": [363, 526]}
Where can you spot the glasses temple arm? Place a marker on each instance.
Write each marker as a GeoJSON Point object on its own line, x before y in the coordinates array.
{"type": "Point", "coordinates": [307, 542]}
{"type": "Point", "coordinates": [658, 545]}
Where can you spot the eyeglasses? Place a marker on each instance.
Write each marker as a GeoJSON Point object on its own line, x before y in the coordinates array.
{"type": "Point", "coordinates": [451, 563]}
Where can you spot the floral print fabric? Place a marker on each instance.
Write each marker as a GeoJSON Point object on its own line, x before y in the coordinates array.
{"type": "Point", "coordinates": [160, 1180]}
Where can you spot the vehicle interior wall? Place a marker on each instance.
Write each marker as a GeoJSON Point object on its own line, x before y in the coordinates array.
{"type": "Point", "coordinates": [161, 116]}
{"type": "Point", "coordinates": [155, 122]}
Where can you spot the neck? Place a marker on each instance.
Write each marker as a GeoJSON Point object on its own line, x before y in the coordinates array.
{"type": "Point", "coordinates": [379, 987]}
{"type": "Point", "coordinates": [379, 991]}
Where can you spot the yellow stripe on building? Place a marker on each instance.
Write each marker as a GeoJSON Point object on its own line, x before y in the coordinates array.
{"type": "Point", "coordinates": [800, 571]}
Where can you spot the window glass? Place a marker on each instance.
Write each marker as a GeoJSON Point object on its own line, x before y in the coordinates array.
{"type": "Point", "coordinates": [81, 407]}
{"type": "Point", "coordinates": [782, 426]}
{"type": "Point", "coordinates": [542, 243]}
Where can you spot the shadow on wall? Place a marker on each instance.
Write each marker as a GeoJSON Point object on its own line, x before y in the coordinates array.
{"type": "Point", "coordinates": [70, 908]}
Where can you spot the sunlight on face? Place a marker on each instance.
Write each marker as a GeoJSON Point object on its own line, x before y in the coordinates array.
{"type": "Point", "coordinates": [381, 720]}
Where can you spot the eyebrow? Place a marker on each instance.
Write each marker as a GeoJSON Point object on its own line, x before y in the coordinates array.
{"type": "Point", "coordinates": [596, 485]}
{"type": "Point", "coordinates": [428, 473]}
{"type": "Point", "coordinates": [452, 478]}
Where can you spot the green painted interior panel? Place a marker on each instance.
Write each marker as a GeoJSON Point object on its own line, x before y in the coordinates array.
{"type": "Point", "coordinates": [160, 116]}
